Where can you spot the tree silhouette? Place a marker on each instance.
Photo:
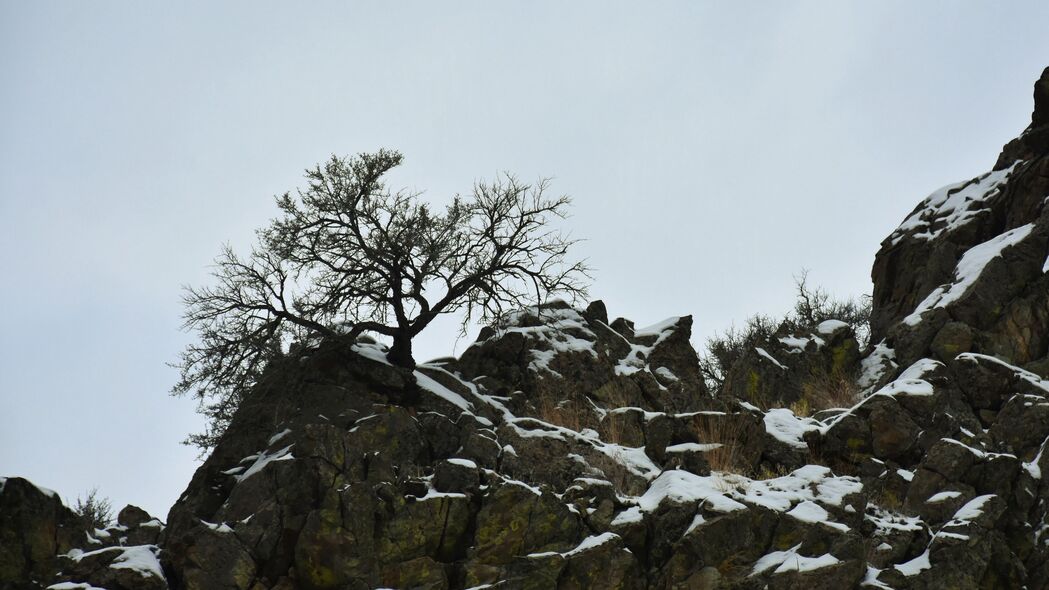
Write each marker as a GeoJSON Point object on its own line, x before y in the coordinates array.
{"type": "Point", "coordinates": [346, 256]}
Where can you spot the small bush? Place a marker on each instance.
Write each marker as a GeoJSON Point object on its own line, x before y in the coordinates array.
{"type": "Point", "coordinates": [824, 391]}
{"type": "Point", "coordinates": [95, 512]}
{"type": "Point", "coordinates": [812, 306]}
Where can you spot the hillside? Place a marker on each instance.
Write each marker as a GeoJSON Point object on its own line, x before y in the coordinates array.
{"type": "Point", "coordinates": [566, 449]}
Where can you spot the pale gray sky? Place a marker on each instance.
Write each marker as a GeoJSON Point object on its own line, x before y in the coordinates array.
{"type": "Point", "coordinates": [712, 149]}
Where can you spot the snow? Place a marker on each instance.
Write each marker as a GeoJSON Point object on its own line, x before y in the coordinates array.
{"type": "Point", "coordinates": [765, 354]}
{"type": "Point", "coordinates": [697, 520]}
{"type": "Point", "coordinates": [914, 566]}
{"type": "Point", "coordinates": [660, 330]}
{"type": "Point", "coordinates": [942, 497]}
{"type": "Point", "coordinates": [629, 516]}
{"type": "Point", "coordinates": [951, 207]}
{"type": "Point", "coordinates": [371, 351]}
{"type": "Point", "coordinates": [972, 509]}
{"type": "Point", "coordinates": [666, 374]}
{"type": "Point", "coordinates": [141, 559]}
{"type": "Point", "coordinates": [727, 492]}
{"type": "Point", "coordinates": [692, 447]}
{"type": "Point", "coordinates": [887, 522]}
{"type": "Point", "coordinates": [683, 487]}
{"type": "Point", "coordinates": [792, 561]}
{"type": "Point", "coordinates": [278, 436]}
{"type": "Point", "coordinates": [73, 586]}
{"type": "Point", "coordinates": [429, 384]}
{"type": "Point", "coordinates": [554, 332]}
{"type": "Point", "coordinates": [968, 270]}
{"type": "Point", "coordinates": [263, 459]}
{"type": "Point", "coordinates": [809, 511]}
{"type": "Point", "coordinates": [798, 344]}
{"type": "Point", "coordinates": [871, 579]}
{"type": "Point", "coordinates": [587, 544]}
{"type": "Point", "coordinates": [591, 542]}
{"type": "Point", "coordinates": [910, 381]}
{"type": "Point", "coordinates": [980, 454]}
{"type": "Point", "coordinates": [875, 365]}
{"type": "Point", "coordinates": [464, 462]}
{"type": "Point", "coordinates": [1022, 374]}
{"type": "Point", "coordinates": [1033, 466]}
{"type": "Point", "coordinates": [829, 327]}
{"type": "Point", "coordinates": [634, 459]}
{"type": "Point", "coordinates": [218, 528]}
{"type": "Point", "coordinates": [432, 494]}
{"type": "Point", "coordinates": [785, 427]}
{"type": "Point", "coordinates": [906, 475]}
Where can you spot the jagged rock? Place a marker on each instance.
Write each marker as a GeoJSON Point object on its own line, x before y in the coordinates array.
{"type": "Point", "coordinates": [132, 516]}
{"type": "Point", "coordinates": [562, 451]}
{"type": "Point", "coordinates": [516, 520]}
{"type": "Point", "coordinates": [456, 476]}
{"type": "Point", "coordinates": [558, 352]}
{"type": "Point", "coordinates": [964, 271]}
{"type": "Point", "coordinates": [116, 568]}
{"type": "Point", "coordinates": [34, 527]}
{"type": "Point", "coordinates": [793, 366]}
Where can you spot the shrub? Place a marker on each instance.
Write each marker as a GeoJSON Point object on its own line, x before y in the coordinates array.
{"type": "Point", "coordinates": [812, 306]}
{"type": "Point", "coordinates": [728, 432]}
{"type": "Point", "coordinates": [95, 512]}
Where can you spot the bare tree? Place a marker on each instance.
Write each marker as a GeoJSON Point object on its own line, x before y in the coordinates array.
{"type": "Point", "coordinates": [346, 255]}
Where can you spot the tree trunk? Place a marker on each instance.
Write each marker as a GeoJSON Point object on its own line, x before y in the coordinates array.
{"type": "Point", "coordinates": [401, 352]}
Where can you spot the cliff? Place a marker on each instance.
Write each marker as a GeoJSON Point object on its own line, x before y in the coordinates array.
{"type": "Point", "coordinates": [565, 450]}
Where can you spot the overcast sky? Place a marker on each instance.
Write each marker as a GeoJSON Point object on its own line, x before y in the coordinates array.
{"type": "Point", "coordinates": [712, 151]}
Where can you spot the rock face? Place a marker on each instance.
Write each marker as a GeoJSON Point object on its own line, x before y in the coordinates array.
{"type": "Point", "coordinates": [965, 272]}
{"type": "Point", "coordinates": [34, 527]}
{"type": "Point", "coordinates": [44, 544]}
{"type": "Point", "coordinates": [566, 451]}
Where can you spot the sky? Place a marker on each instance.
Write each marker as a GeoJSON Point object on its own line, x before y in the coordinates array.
{"type": "Point", "coordinates": [712, 150]}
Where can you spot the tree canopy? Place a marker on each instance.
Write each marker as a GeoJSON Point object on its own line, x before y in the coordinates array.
{"type": "Point", "coordinates": [346, 255]}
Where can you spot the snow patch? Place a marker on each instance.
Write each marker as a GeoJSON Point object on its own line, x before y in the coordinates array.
{"type": "Point", "coordinates": [914, 566]}
{"type": "Point", "coordinates": [263, 459]}
{"type": "Point", "coordinates": [430, 384]}
{"type": "Point", "coordinates": [692, 447]}
{"type": "Point", "coordinates": [874, 366]}
{"type": "Point", "coordinates": [785, 427]}
{"type": "Point", "coordinates": [792, 561]}
{"type": "Point", "coordinates": [968, 270]}
{"type": "Point", "coordinates": [768, 356]}
{"type": "Point", "coordinates": [951, 207]}
{"type": "Point", "coordinates": [829, 327]}
{"type": "Point", "coordinates": [942, 497]}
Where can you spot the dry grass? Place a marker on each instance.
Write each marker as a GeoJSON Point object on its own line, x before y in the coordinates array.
{"type": "Point", "coordinates": [565, 413]}
{"type": "Point", "coordinates": [728, 431]}
{"type": "Point", "coordinates": [612, 429]}
{"type": "Point", "coordinates": [767, 472]}
{"type": "Point", "coordinates": [824, 391]}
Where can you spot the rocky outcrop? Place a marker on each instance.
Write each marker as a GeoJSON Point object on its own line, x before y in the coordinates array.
{"type": "Point", "coordinates": [34, 527]}
{"type": "Point", "coordinates": [795, 366]}
{"type": "Point", "coordinates": [44, 544]}
{"type": "Point", "coordinates": [966, 271]}
{"type": "Point", "coordinates": [563, 450]}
